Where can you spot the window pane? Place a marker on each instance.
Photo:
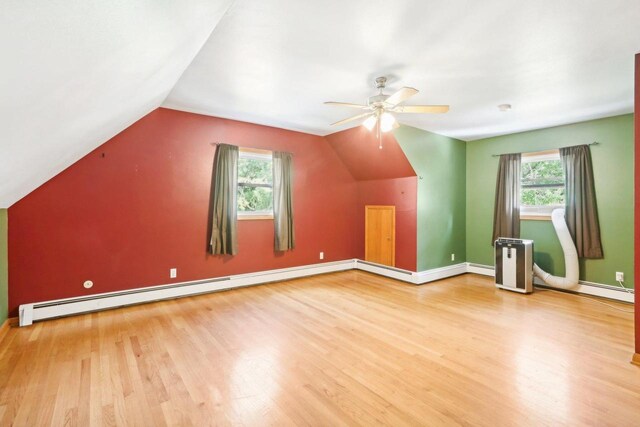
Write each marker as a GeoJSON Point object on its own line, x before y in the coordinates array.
{"type": "Point", "coordinates": [255, 179]}
{"type": "Point", "coordinates": [542, 172]}
{"type": "Point", "coordinates": [252, 199]}
{"type": "Point", "coordinates": [542, 183]}
{"type": "Point", "coordinates": [255, 171]}
{"type": "Point", "coordinates": [542, 196]}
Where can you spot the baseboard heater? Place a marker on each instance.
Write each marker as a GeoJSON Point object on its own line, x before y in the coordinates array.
{"type": "Point", "coordinates": [29, 313]}
{"type": "Point", "coordinates": [97, 302]}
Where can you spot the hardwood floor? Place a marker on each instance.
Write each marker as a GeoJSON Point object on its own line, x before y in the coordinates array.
{"type": "Point", "coordinates": [347, 348]}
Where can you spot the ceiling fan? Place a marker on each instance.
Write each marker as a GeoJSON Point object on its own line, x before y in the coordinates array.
{"type": "Point", "coordinates": [380, 109]}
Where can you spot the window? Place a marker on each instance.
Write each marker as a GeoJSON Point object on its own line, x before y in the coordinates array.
{"type": "Point", "coordinates": [255, 184]}
{"type": "Point", "coordinates": [542, 184]}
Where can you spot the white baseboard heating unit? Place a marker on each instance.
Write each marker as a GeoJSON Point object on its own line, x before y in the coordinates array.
{"type": "Point", "coordinates": [64, 307]}
{"type": "Point", "coordinates": [514, 264]}
{"type": "Point", "coordinates": [96, 302]}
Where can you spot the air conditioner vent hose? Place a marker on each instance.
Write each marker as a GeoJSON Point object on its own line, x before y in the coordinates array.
{"type": "Point", "coordinates": [570, 256]}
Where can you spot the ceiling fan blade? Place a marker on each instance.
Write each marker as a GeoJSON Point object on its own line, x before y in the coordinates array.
{"type": "Point", "coordinates": [350, 119]}
{"type": "Point", "coordinates": [401, 95]}
{"type": "Point", "coordinates": [347, 104]}
{"type": "Point", "coordinates": [421, 109]}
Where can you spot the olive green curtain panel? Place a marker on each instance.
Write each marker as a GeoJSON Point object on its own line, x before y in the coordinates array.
{"type": "Point", "coordinates": [282, 201]}
{"type": "Point", "coordinates": [581, 211]}
{"type": "Point", "coordinates": [506, 213]}
{"type": "Point", "coordinates": [224, 221]}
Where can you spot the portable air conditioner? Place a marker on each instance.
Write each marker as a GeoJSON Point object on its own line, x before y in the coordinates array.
{"type": "Point", "coordinates": [514, 264]}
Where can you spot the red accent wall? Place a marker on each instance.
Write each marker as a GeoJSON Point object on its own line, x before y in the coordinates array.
{"type": "Point", "coordinates": [385, 177]}
{"type": "Point", "coordinates": [637, 201]}
{"type": "Point", "coordinates": [139, 205]}
{"type": "Point", "coordinates": [403, 194]}
{"type": "Point", "coordinates": [358, 149]}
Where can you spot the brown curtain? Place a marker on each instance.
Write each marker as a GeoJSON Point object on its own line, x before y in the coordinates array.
{"type": "Point", "coordinates": [282, 201]}
{"type": "Point", "coordinates": [506, 213]}
{"type": "Point", "coordinates": [224, 236]}
{"type": "Point", "coordinates": [581, 210]}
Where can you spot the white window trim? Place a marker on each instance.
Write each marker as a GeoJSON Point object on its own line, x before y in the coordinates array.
{"type": "Point", "coordinates": [539, 212]}
{"type": "Point", "coordinates": [243, 216]}
{"type": "Point", "coordinates": [257, 154]}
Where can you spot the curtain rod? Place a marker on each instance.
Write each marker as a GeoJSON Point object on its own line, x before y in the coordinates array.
{"type": "Point", "coordinates": [524, 152]}
{"type": "Point", "coordinates": [215, 144]}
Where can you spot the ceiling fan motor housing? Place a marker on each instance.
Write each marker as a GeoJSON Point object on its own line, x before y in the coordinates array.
{"type": "Point", "coordinates": [377, 100]}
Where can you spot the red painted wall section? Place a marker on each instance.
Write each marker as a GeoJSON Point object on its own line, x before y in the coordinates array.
{"type": "Point", "coordinates": [402, 193]}
{"type": "Point", "coordinates": [385, 177]}
{"type": "Point", "coordinates": [358, 149]}
{"type": "Point", "coordinates": [637, 201]}
{"type": "Point", "coordinates": [139, 205]}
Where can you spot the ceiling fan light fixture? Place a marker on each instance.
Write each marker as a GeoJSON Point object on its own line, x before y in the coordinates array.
{"type": "Point", "coordinates": [370, 122]}
{"type": "Point", "coordinates": [379, 108]}
{"type": "Point", "coordinates": [386, 122]}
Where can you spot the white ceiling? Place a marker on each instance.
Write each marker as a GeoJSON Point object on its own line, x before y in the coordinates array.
{"type": "Point", "coordinates": [74, 72]}
{"type": "Point", "coordinates": [274, 62]}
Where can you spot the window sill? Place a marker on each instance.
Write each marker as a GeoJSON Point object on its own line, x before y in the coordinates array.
{"type": "Point", "coordinates": [254, 217]}
{"type": "Point", "coordinates": [536, 217]}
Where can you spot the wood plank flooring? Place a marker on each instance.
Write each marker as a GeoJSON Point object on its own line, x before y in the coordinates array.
{"type": "Point", "coordinates": [347, 348]}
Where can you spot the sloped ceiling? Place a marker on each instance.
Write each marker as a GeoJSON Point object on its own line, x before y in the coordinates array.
{"type": "Point", "coordinates": [358, 150]}
{"type": "Point", "coordinates": [77, 72]}
{"type": "Point", "coordinates": [274, 62]}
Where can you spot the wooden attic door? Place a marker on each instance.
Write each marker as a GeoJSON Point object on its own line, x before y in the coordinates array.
{"type": "Point", "coordinates": [380, 234]}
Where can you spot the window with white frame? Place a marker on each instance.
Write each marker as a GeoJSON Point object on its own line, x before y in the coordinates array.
{"type": "Point", "coordinates": [255, 184]}
{"type": "Point", "coordinates": [542, 183]}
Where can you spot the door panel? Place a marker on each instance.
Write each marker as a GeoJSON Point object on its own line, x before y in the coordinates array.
{"type": "Point", "coordinates": [380, 234]}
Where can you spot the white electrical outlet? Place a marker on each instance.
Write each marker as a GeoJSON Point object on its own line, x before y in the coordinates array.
{"type": "Point", "coordinates": [453, 257]}
{"type": "Point", "coordinates": [321, 255]}
{"type": "Point", "coordinates": [619, 276]}
{"type": "Point", "coordinates": [87, 284]}
{"type": "Point", "coordinates": [173, 273]}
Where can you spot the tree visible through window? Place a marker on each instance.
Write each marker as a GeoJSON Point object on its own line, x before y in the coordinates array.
{"type": "Point", "coordinates": [255, 184]}
{"type": "Point", "coordinates": [542, 183]}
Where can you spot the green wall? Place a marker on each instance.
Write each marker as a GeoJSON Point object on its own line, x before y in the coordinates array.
{"type": "Point", "coordinates": [4, 268]}
{"type": "Point", "coordinates": [613, 174]}
{"type": "Point", "coordinates": [439, 162]}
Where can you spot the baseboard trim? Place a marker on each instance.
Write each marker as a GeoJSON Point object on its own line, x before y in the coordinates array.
{"type": "Point", "coordinates": [635, 359]}
{"type": "Point", "coordinates": [416, 278]}
{"type": "Point", "coordinates": [484, 270]}
{"type": "Point", "coordinates": [28, 313]}
{"type": "Point", "coordinates": [440, 273]}
{"type": "Point", "coordinates": [586, 288]}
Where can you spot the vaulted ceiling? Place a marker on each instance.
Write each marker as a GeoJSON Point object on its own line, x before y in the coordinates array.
{"type": "Point", "coordinates": [75, 73]}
